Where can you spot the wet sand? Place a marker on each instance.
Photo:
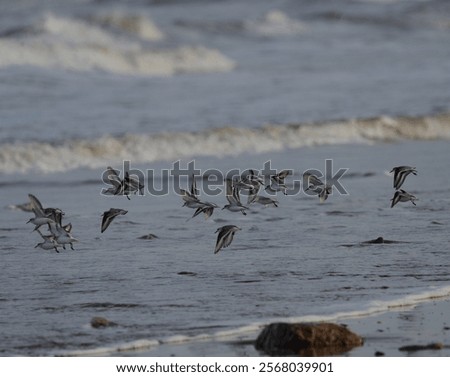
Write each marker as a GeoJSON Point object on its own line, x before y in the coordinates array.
{"type": "Point", "coordinates": [423, 324]}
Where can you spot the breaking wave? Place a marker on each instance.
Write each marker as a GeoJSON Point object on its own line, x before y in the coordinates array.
{"type": "Point", "coordinates": [115, 43]}
{"type": "Point", "coordinates": [218, 142]}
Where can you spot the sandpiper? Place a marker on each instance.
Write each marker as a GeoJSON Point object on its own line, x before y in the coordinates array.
{"type": "Point", "coordinates": [126, 186]}
{"type": "Point", "coordinates": [251, 181]}
{"type": "Point", "coordinates": [206, 208]}
{"type": "Point", "coordinates": [49, 242]}
{"type": "Point", "coordinates": [317, 186]}
{"type": "Point", "coordinates": [234, 201]}
{"type": "Point", "coordinates": [400, 174]}
{"type": "Point", "coordinates": [277, 182]}
{"type": "Point", "coordinates": [191, 200]}
{"type": "Point", "coordinates": [190, 196]}
{"type": "Point", "coordinates": [108, 217]}
{"type": "Point", "coordinates": [264, 200]}
{"type": "Point", "coordinates": [225, 236]}
{"type": "Point", "coordinates": [114, 180]}
{"type": "Point", "coordinates": [402, 196]}
{"type": "Point", "coordinates": [62, 235]}
{"type": "Point", "coordinates": [40, 216]}
{"type": "Point", "coordinates": [132, 185]}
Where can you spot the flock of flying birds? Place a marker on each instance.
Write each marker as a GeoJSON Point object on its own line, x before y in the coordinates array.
{"type": "Point", "coordinates": [60, 235]}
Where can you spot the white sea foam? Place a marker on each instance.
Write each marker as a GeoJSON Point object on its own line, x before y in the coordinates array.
{"type": "Point", "coordinates": [107, 150]}
{"type": "Point", "coordinates": [75, 44]}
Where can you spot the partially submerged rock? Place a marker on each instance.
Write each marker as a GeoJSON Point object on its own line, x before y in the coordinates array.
{"type": "Point", "coordinates": [376, 241]}
{"type": "Point", "coordinates": [189, 273]}
{"type": "Point", "coordinates": [149, 236]}
{"type": "Point", "coordinates": [306, 339]}
{"type": "Point", "coordinates": [100, 322]}
{"type": "Point", "coordinates": [380, 240]}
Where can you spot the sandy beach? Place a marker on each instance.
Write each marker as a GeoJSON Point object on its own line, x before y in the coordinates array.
{"type": "Point", "coordinates": [384, 334]}
{"type": "Point", "coordinates": [421, 325]}
{"type": "Point", "coordinates": [166, 90]}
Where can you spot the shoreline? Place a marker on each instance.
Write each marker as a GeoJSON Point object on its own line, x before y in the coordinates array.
{"type": "Point", "coordinates": [384, 333]}
{"type": "Point", "coordinates": [422, 324]}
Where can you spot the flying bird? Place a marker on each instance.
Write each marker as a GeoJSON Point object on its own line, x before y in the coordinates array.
{"type": "Point", "coordinates": [225, 236]}
{"type": "Point", "coordinates": [316, 186]}
{"type": "Point", "coordinates": [109, 216]}
{"type": "Point", "coordinates": [402, 196]}
{"type": "Point", "coordinates": [277, 182]}
{"type": "Point", "coordinates": [234, 201]}
{"type": "Point", "coordinates": [400, 174]}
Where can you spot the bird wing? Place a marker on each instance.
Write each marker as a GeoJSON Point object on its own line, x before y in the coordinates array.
{"type": "Point", "coordinates": [194, 190]}
{"type": "Point", "coordinates": [236, 197]}
{"type": "Point", "coordinates": [108, 217]}
{"type": "Point", "coordinates": [36, 206]}
{"type": "Point", "coordinates": [225, 237]}
{"type": "Point", "coordinates": [399, 178]}
{"type": "Point", "coordinates": [208, 211]}
{"type": "Point", "coordinates": [197, 212]}
{"type": "Point", "coordinates": [282, 175]}
{"type": "Point", "coordinates": [221, 238]}
{"type": "Point", "coordinates": [314, 181]}
{"type": "Point", "coordinates": [395, 199]}
{"type": "Point", "coordinates": [113, 177]}
{"type": "Point", "coordinates": [106, 221]}
{"type": "Point", "coordinates": [67, 227]}
{"type": "Point", "coordinates": [230, 192]}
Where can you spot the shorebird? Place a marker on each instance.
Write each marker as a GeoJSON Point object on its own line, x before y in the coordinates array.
{"type": "Point", "coordinates": [41, 215]}
{"type": "Point", "coordinates": [126, 186]}
{"type": "Point", "coordinates": [400, 174]}
{"type": "Point", "coordinates": [206, 208]}
{"type": "Point", "coordinates": [402, 196]}
{"type": "Point", "coordinates": [55, 214]}
{"type": "Point", "coordinates": [190, 196]}
{"type": "Point", "coordinates": [249, 180]}
{"type": "Point", "coordinates": [132, 185]}
{"type": "Point", "coordinates": [114, 180]}
{"type": "Point", "coordinates": [108, 217]}
{"type": "Point", "coordinates": [191, 200]}
{"type": "Point", "coordinates": [317, 186]}
{"type": "Point", "coordinates": [234, 201]}
{"type": "Point", "coordinates": [264, 200]}
{"type": "Point", "coordinates": [62, 235]}
{"type": "Point", "coordinates": [49, 242]}
{"type": "Point", "coordinates": [225, 236]}
{"type": "Point", "coordinates": [277, 182]}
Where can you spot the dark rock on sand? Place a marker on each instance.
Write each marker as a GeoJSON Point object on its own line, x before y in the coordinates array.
{"type": "Point", "coordinates": [306, 339]}
{"type": "Point", "coordinates": [101, 322]}
{"type": "Point", "coordinates": [416, 347]}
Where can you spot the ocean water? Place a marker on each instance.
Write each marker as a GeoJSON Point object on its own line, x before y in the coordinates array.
{"type": "Point", "coordinates": [229, 85]}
